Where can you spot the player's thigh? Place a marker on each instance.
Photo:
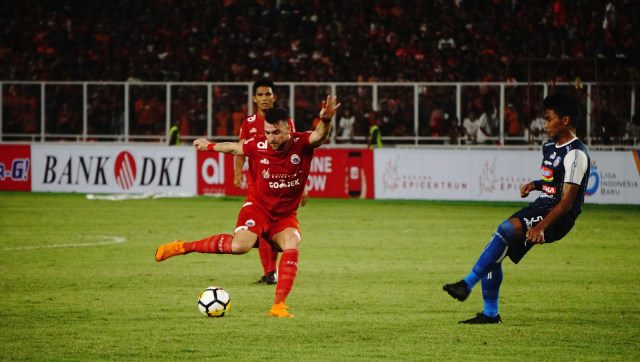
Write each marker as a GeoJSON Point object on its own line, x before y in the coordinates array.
{"type": "Point", "coordinates": [243, 241]}
{"type": "Point", "coordinates": [252, 218]}
{"type": "Point", "coordinates": [288, 238]}
{"type": "Point", "coordinates": [531, 215]}
{"type": "Point", "coordinates": [285, 232]}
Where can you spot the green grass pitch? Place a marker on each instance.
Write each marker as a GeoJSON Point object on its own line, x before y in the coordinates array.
{"type": "Point", "coordinates": [79, 282]}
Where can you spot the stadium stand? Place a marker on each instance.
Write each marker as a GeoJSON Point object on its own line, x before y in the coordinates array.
{"type": "Point", "coordinates": [383, 40]}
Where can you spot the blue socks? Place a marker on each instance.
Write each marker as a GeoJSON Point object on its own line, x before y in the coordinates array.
{"type": "Point", "coordinates": [488, 268]}
{"type": "Point", "coordinates": [491, 291]}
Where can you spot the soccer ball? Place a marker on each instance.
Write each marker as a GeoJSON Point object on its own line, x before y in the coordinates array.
{"type": "Point", "coordinates": [213, 302]}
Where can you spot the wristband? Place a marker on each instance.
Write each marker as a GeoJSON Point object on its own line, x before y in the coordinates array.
{"type": "Point", "coordinates": [537, 185]}
{"type": "Point", "coordinates": [210, 146]}
{"type": "Point", "coordinates": [327, 121]}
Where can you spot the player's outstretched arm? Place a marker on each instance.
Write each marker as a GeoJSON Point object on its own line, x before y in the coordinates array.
{"type": "Point", "coordinates": [323, 129]}
{"type": "Point", "coordinates": [237, 170]}
{"type": "Point", "coordinates": [232, 148]}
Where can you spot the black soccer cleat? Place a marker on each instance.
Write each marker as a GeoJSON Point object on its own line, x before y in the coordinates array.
{"type": "Point", "coordinates": [481, 318]}
{"type": "Point", "coordinates": [271, 278]}
{"type": "Point", "coordinates": [459, 290]}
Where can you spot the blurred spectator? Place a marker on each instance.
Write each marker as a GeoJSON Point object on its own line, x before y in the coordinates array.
{"type": "Point", "coordinates": [512, 121]}
{"type": "Point", "coordinates": [537, 131]}
{"type": "Point", "coordinates": [632, 130]}
{"type": "Point", "coordinates": [471, 125]}
{"type": "Point", "coordinates": [223, 121]}
{"type": "Point", "coordinates": [375, 133]}
{"type": "Point", "coordinates": [144, 124]}
{"type": "Point", "coordinates": [456, 132]}
{"type": "Point", "coordinates": [174, 133]}
{"type": "Point", "coordinates": [237, 116]}
{"type": "Point", "coordinates": [484, 129]}
{"type": "Point", "coordinates": [67, 120]}
{"type": "Point", "coordinates": [436, 123]}
{"type": "Point", "coordinates": [346, 125]}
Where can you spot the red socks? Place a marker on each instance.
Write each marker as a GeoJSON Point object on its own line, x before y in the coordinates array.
{"type": "Point", "coordinates": [272, 256]}
{"type": "Point", "coordinates": [218, 244]}
{"type": "Point", "coordinates": [264, 250]}
{"type": "Point", "coordinates": [268, 256]}
{"type": "Point", "coordinates": [286, 274]}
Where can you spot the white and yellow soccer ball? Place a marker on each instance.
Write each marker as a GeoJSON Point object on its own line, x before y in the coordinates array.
{"type": "Point", "coordinates": [213, 302]}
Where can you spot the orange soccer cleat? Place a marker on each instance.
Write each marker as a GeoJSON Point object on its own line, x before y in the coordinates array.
{"type": "Point", "coordinates": [279, 310]}
{"type": "Point", "coordinates": [165, 251]}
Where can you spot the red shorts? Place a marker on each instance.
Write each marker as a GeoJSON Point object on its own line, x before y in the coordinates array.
{"type": "Point", "coordinates": [254, 218]}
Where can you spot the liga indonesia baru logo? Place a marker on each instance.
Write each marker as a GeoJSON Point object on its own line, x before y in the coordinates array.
{"type": "Point", "coordinates": [125, 170]}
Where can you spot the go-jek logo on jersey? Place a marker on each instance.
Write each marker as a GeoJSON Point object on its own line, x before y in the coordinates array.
{"type": "Point", "coordinates": [124, 170]}
{"type": "Point", "coordinates": [594, 180]}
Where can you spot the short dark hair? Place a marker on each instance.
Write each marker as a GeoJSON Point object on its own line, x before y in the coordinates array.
{"type": "Point", "coordinates": [563, 104]}
{"type": "Point", "coordinates": [262, 82]}
{"type": "Point", "coordinates": [275, 115]}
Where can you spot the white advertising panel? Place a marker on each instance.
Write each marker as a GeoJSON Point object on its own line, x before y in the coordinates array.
{"type": "Point", "coordinates": [614, 178]}
{"type": "Point", "coordinates": [494, 175]}
{"type": "Point", "coordinates": [422, 174]}
{"type": "Point", "coordinates": [497, 175]}
{"type": "Point", "coordinates": [113, 169]}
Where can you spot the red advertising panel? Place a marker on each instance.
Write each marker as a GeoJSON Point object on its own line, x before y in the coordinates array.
{"type": "Point", "coordinates": [337, 173]}
{"type": "Point", "coordinates": [15, 167]}
{"type": "Point", "coordinates": [341, 173]}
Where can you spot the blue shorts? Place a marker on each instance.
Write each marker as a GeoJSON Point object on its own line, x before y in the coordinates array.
{"type": "Point", "coordinates": [530, 216]}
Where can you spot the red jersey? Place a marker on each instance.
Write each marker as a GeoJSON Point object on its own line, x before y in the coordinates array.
{"type": "Point", "coordinates": [253, 125]}
{"type": "Point", "coordinates": [280, 176]}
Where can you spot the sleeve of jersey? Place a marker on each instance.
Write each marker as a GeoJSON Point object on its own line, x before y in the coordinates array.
{"type": "Point", "coordinates": [575, 165]}
{"type": "Point", "coordinates": [247, 148]}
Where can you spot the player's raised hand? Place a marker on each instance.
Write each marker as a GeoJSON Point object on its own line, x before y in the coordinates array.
{"type": "Point", "coordinates": [329, 108]}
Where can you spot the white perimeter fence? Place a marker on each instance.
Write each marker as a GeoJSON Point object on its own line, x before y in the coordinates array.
{"type": "Point", "coordinates": [411, 114]}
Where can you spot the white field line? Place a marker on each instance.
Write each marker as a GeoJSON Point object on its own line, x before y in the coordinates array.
{"type": "Point", "coordinates": [112, 240]}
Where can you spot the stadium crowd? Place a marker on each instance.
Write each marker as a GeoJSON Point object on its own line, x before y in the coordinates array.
{"type": "Point", "coordinates": [315, 41]}
{"type": "Point", "coordinates": [383, 40]}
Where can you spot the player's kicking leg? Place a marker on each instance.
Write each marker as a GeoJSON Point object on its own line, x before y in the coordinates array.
{"type": "Point", "coordinates": [241, 243]}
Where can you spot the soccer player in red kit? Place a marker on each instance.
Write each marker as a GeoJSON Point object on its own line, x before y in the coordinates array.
{"type": "Point", "coordinates": [283, 163]}
{"type": "Point", "coordinates": [264, 98]}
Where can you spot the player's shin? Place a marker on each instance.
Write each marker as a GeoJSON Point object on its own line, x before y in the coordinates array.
{"type": "Point", "coordinates": [287, 270]}
{"type": "Point", "coordinates": [264, 250]}
{"type": "Point", "coordinates": [494, 253]}
{"type": "Point", "coordinates": [491, 291]}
